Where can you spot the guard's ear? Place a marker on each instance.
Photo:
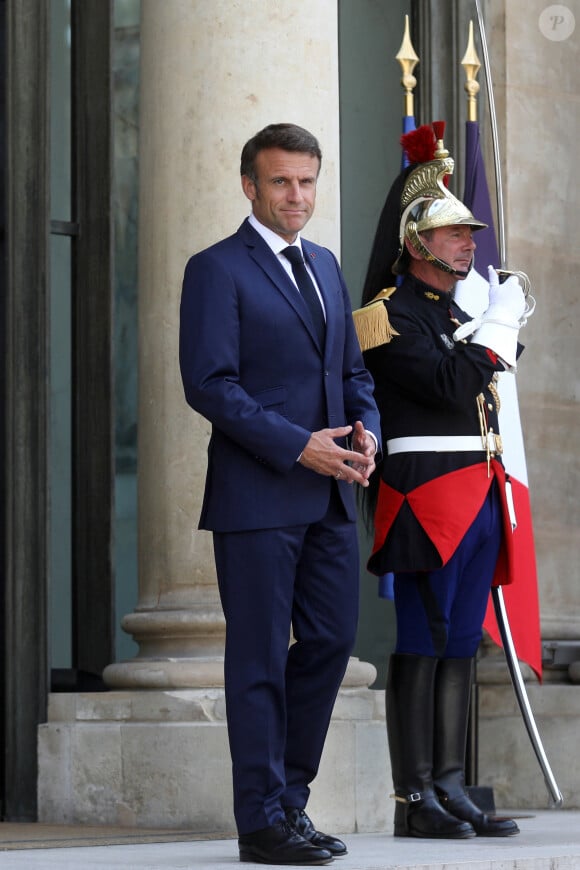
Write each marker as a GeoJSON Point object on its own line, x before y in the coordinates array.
{"type": "Point", "coordinates": [412, 251]}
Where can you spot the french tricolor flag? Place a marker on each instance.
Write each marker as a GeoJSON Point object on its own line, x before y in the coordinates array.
{"type": "Point", "coordinates": [520, 596]}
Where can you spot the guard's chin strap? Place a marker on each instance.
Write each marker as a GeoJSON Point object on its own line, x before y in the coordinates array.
{"type": "Point", "coordinates": [427, 255]}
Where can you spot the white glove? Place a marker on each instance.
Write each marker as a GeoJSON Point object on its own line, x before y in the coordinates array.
{"type": "Point", "coordinates": [498, 327]}
{"type": "Point", "coordinates": [500, 323]}
{"type": "Point", "coordinates": [506, 300]}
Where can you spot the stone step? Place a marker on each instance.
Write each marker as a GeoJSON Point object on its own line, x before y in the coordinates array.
{"type": "Point", "coordinates": [549, 840]}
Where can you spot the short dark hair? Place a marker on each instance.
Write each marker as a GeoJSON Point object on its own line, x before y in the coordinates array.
{"type": "Point", "coordinates": [288, 137]}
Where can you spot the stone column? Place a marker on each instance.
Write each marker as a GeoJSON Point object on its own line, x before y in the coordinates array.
{"type": "Point", "coordinates": [210, 79]}
{"type": "Point", "coordinates": [535, 86]}
{"type": "Point", "coordinates": [542, 133]}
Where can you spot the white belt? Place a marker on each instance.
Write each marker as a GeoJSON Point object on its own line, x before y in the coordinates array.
{"type": "Point", "coordinates": [443, 444]}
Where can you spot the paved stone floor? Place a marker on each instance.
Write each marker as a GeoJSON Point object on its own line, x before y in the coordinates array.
{"type": "Point", "coordinates": [549, 840]}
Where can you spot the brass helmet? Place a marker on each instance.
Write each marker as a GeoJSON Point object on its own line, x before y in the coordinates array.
{"type": "Point", "coordinates": [426, 204]}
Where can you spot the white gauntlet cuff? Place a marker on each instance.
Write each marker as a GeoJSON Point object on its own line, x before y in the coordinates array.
{"type": "Point", "coordinates": [501, 338]}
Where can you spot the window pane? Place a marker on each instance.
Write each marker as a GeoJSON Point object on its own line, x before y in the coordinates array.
{"type": "Point", "coordinates": [60, 447]}
{"type": "Point", "coordinates": [60, 110]}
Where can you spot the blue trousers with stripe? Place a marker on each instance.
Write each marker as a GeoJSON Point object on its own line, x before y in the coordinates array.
{"type": "Point", "coordinates": [440, 613]}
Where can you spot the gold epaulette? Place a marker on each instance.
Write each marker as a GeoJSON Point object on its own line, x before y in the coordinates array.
{"type": "Point", "coordinates": [372, 322]}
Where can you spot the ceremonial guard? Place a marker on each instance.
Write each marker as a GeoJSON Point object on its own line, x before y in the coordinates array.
{"type": "Point", "coordinates": [440, 507]}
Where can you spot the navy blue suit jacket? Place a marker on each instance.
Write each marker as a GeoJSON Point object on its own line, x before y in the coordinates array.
{"type": "Point", "coordinates": [251, 365]}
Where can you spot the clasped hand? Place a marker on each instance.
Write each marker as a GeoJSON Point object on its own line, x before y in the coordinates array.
{"type": "Point", "coordinates": [323, 455]}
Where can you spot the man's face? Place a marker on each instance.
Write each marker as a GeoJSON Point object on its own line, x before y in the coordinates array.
{"type": "Point", "coordinates": [284, 194]}
{"type": "Point", "coordinates": [454, 245]}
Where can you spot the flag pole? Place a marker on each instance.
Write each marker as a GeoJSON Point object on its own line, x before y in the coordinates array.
{"type": "Point", "coordinates": [495, 138]}
{"type": "Point", "coordinates": [471, 65]}
{"type": "Point", "coordinates": [408, 60]}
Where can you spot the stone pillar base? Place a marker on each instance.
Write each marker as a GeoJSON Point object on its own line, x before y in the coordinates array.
{"type": "Point", "coordinates": [506, 758]}
{"type": "Point", "coordinates": [160, 759]}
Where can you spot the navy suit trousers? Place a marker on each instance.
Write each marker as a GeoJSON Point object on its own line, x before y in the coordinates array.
{"type": "Point", "coordinates": [279, 698]}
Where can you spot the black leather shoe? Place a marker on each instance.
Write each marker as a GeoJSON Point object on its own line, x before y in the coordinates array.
{"type": "Point", "coordinates": [280, 844]}
{"type": "Point", "coordinates": [300, 821]}
{"type": "Point", "coordinates": [462, 807]}
{"type": "Point", "coordinates": [426, 817]}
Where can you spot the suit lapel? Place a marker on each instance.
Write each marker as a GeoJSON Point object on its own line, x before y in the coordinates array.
{"type": "Point", "coordinates": [267, 261]}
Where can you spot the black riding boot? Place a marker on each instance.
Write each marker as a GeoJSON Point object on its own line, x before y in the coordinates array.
{"type": "Point", "coordinates": [452, 694]}
{"type": "Point", "coordinates": [410, 711]}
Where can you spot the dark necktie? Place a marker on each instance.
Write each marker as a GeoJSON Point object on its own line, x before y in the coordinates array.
{"type": "Point", "coordinates": [307, 290]}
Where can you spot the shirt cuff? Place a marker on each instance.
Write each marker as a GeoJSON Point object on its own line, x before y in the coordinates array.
{"type": "Point", "coordinates": [374, 437]}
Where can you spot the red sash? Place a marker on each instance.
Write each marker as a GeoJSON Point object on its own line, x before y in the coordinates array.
{"type": "Point", "coordinates": [445, 508]}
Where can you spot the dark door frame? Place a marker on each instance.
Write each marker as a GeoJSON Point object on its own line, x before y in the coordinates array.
{"type": "Point", "coordinates": [24, 392]}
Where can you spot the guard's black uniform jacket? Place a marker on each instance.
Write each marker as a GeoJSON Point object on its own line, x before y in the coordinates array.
{"type": "Point", "coordinates": [426, 384]}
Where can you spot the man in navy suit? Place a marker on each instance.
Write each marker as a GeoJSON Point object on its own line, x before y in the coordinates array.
{"type": "Point", "coordinates": [293, 422]}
